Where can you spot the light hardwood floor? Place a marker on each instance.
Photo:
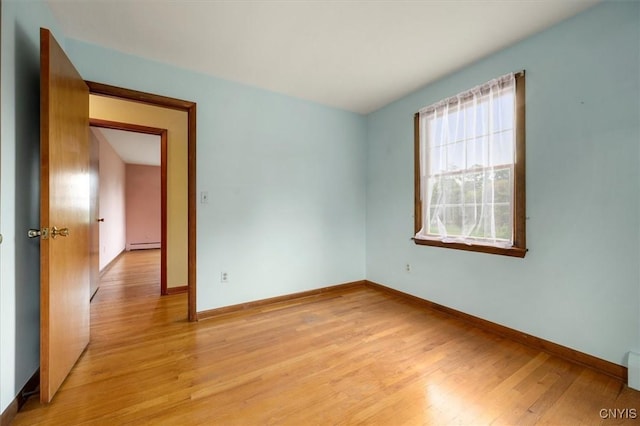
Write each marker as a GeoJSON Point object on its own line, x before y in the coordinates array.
{"type": "Point", "coordinates": [351, 357]}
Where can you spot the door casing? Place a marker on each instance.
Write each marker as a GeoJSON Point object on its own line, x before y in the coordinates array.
{"type": "Point", "coordinates": [129, 127]}
{"type": "Point", "coordinates": [190, 108]}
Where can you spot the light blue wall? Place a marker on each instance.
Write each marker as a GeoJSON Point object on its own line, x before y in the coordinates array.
{"type": "Point", "coordinates": [19, 192]}
{"type": "Point", "coordinates": [285, 177]}
{"type": "Point", "coordinates": [579, 283]}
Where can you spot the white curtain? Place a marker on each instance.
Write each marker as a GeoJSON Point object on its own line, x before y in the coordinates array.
{"type": "Point", "coordinates": [467, 154]}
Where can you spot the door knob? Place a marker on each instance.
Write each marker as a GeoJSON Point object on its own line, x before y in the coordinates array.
{"type": "Point", "coordinates": [63, 232]}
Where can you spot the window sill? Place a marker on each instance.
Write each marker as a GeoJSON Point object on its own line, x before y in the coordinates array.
{"type": "Point", "coordinates": [511, 251]}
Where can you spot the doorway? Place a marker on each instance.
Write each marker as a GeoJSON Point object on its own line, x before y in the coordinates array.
{"type": "Point", "coordinates": [106, 92]}
{"type": "Point", "coordinates": [133, 193]}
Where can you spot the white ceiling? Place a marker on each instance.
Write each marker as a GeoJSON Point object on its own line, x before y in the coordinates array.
{"type": "Point", "coordinates": [358, 55]}
{"type": "Point", "coordinates": [131, 147]}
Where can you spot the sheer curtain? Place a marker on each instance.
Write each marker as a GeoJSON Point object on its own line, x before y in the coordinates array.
{"type": "Point", "coordinates": [467, 154]}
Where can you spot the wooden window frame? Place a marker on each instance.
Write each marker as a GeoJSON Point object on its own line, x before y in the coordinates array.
{"type": "Point", "coordinates": [519, 248]}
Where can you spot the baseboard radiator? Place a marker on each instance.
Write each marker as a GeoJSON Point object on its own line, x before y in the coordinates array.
{"type": "Point", "coordinates": [143, 246]}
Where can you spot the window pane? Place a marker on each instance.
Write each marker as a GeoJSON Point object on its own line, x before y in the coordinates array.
{"type": "Point", "coordinates": [435, 132]}
{"type": "Point", "coordinates": [454, 124]}
{"type": "Point", "coordinates": [453, 220]}
{"type": "Point", "coordinates": [451, 190]}
{"type": "Point", "coordinates": [501, 151]}
{"type": "Point", "coordinates": [503, 186]}
{"type": "Point", "coordinates": [503, 217]}
{"type": "Point", "coordinates": [477, 119]}
{"type": "Point", "coordinates": [472, 188]}
{"type": "Point", "coordinates": [477, 153]}
{"type": "Point", "coordinates": [437, 160]}
{"type": "Point", "coordinates": [503, 111]}
{"type": "Point", "coordinates": [455, 156]}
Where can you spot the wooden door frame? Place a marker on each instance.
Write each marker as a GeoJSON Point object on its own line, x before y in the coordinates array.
{"type": "Point", "coordinates": [190, 108]}
{"type": "Point", "coordinates": [129, 127]}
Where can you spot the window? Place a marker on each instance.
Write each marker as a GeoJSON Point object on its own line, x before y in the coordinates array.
{"type": "Point", "coordinates": [470, 169]}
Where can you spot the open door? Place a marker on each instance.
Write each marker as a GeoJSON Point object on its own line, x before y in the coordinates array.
{"type": "Point", "coordinates": [64, 216]}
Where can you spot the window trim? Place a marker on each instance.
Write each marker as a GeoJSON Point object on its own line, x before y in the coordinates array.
{"type": "Point", "coordinates": [519, 248]}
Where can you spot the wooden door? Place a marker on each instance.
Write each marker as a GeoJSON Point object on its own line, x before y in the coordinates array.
{"type": "Point", "coordinates": [64, 216]}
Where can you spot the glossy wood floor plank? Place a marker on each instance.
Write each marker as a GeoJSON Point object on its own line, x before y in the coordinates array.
{"type": "Point", "coordinates": [357, 356]}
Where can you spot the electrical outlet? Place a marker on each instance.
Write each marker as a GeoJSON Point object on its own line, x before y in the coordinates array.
{"type": "Point", "coordinates": [407, 267]}
{"type": "Point", "coordinates": [224, 277]}
{"type": "Point", "coordinates": [204, 197]}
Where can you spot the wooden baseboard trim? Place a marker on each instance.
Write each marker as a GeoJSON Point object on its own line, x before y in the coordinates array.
{"type": "Point", "coordinates": [28, 389]}
{"type": "Point", "coordinates": [245, 307]}
{"type": "Point", "coordinates": [110, 264]}
{"type": "Point", "coordinates": [176, 290]}
{"type": "Point", "coordinates": [609, 368]}
{"type": "Point", "coordinates": [9, 413]}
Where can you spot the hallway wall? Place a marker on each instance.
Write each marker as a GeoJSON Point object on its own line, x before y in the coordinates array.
{"type": "Point", "coordinates": [143, 206]}
{"type": "Point", "coordinates": [112, 202]}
